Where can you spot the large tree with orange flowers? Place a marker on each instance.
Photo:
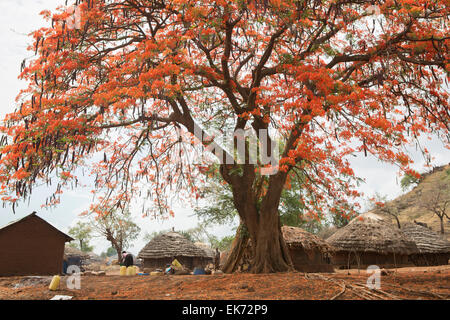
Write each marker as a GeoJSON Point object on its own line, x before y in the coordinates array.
{"type": "Point", "coordinates": [115, 82]}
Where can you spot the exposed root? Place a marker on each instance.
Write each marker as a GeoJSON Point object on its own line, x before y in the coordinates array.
{"type": "Point", "coordinates": [356, 289]}
{"type": "Point", "coordinates": [344, 287]}
{"type": "Point", "coordinates": [418, 292]}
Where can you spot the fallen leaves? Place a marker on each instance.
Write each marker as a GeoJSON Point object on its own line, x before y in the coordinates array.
{"type": "Point", "coordinates": [284, 286]}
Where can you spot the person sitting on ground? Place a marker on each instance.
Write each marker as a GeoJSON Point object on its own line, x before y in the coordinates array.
{"type": "Point", "coordinates": [169, 269]}
{"type": "Point", "coordinates": [127, 259]}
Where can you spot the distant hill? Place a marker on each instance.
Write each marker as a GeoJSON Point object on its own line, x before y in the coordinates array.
{"type": "Point", "coordinates": [410, 207]}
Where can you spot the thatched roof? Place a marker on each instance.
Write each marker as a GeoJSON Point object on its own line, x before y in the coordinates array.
{"type": "Point", "coordinates": [369, 215]}
{"type": "Point", "coordinates": [208, 250]}
{"type": "Point", "coordinates": [426, 239]}
{"type": "Point", "coordinates": [71, 251]}
{"type": "Point", "coordinates": [299, 238]}
{"type": "Point", "coordinates": [171, 244]}
{"type": "Point", "coordinates": [372, 235]}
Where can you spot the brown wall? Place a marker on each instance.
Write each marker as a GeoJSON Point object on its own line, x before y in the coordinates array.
{"type": "Point", "coordinates": [364, 259]}
{"type": "Point", "coordinates": [310, 261]}
{"type": "Point", "coordinates": [430, 259]}
{"type": "Point", "coordinates": [31, 247]}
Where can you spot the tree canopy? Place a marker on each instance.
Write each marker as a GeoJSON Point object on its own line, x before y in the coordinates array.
{"type": "Point", "coordinates": [125, 90]}
{"type": "Point", "coordinates": [82, 233]}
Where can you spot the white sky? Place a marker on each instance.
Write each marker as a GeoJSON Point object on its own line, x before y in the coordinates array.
{"type": "Point", "coordinates": [20, 17]}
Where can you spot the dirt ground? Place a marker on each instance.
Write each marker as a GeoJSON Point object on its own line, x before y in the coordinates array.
{"type": "Point", "coordinates": [402, 283]}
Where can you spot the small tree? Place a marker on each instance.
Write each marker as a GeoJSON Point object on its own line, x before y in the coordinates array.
{"type": "Point", "coordinates": [82, 232]}
{"type": "Point", "coordinates": [381, 205]}
{"type": "Point", "coordinates": [409, 180]}
{"type": "Point", "coordinates": [438, 202]}
{"type": "Point", "coordinates": [118, 228]}
{"type": "Point", "coordinates": [390, 210]}
{"type": "Point", "coordinates": [147, 237]}
{"type": "Point", "coordinates": [193, 234]}
{"type": "Point", "coordinates": [196, 234]}
{"type": "Point", "coordinates": [108, 253]}
{"type": "Point", "coordinates": [111, 251]}
{"type": "Point", "coordinates": [223, 244]}
{"type": "Point", "coordinates": [340, 219]}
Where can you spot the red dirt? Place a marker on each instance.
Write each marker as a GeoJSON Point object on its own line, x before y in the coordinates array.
{"type": "Point", "coordinates": [405, 283]}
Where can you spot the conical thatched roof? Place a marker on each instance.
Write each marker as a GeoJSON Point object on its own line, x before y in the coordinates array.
{"type": "Point", "coordinates": [297, 237]}
{"type": "Point", "coordinates": [372, 235]}
{"type": "Point", "coordinates": [71, 251]}
{"type": "Point", "coordinates": [171, 244]}
{"type": "Point", "coordinates": [426, 240]}
{"type": "Point", "coordinates": [208, 250]}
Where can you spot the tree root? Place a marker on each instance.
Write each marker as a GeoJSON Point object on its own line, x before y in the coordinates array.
{"type": "Point", "coordinates": [361, 291]}
{"type": "Point", "coordinates": [418, 292]}
{"type": "Point", "coordinates": [358, 290]}
{"type": "Point", "coordinates": [344, 287]}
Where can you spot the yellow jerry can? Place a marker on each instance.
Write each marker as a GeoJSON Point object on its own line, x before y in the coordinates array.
{"type": "Point", "coordinates": [176, 264]}
{"type": "Point", "coordinates": [123, 270]}
{"type": "Point", "coordinates": [130, 270]}
{"type": "Point", "coordinates": [54, 285]}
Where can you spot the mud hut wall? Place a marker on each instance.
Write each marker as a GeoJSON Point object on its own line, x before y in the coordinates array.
{"type": "Point", "coordinates": [343, 259]}
{"type": "Point", "coordinates": [309, 260]}
{"type": "Point", "coordinates": [161, 263]}
{"type": "Point", "coordinates": [302, 256]}
{"type": "Point", "coordinates": [31, 247]}
{"type": "Point", "coordinates": [430, 259]}
{"type": "Point", "coordinates": [201, 262]}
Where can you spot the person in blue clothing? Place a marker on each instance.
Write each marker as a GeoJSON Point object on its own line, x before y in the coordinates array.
{"type": "Point", "coordinates": [169, 269]}
{"type": "Point", "coordinates": [65, 265]}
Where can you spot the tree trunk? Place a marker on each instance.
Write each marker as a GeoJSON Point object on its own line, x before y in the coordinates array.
{"type": "Point", "coordinates": [398, 222]}
{"type": "Point", "coordinates": [240, 244]}
{"type": "Point", "coordinates": [271, 252]}
{"type": "Point", "coordinates": [119, 251]}
{"type": "Point", "coordinates": [115, 243]}
{"type": "Point", "coordinates": [258, 211]}
{"type": "Point", "coordinates": [442, 224]}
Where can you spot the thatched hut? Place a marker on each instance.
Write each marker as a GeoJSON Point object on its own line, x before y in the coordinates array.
{"type": "Point", "coordinates": [74, 256]}
{"type": "Point", "coordinates": [162, 249]}
{"type": "Point", "coordinates": [434, 249]}
{"type": "Point", "coordinates": [309, 253]}
{"type": "Point", "coordinates": [368, 240]}
{"type": "Point", "coordinates": [210, 253]}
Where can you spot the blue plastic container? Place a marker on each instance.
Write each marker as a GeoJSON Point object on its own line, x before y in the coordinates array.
{"type": "Point", "coordinates": [199, 271]}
